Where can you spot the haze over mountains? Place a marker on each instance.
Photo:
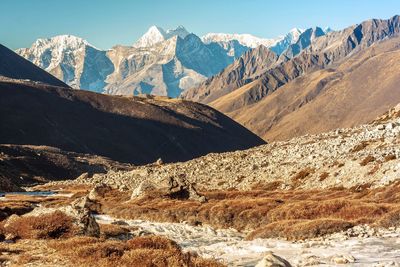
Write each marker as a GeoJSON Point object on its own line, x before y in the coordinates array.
{"type": "Point", "coordinates": [161, 62]}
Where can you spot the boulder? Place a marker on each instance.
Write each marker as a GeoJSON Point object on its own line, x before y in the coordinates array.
{"type": "Point", "coordinates": [176, 187]}
{"type": "Point", "coordinates": [99, 191]}
{"type": "Point", "coordinates": [272, 260]}
{"type": "Point", "coordinates": [144, 188]}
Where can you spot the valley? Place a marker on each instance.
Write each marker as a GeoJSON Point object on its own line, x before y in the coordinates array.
{"type": "Point", "coordinates": [201, 150]}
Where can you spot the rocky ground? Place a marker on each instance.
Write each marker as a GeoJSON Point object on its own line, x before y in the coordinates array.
{"type": "Point", "coordinates": [367, 155]}
{"type": "Point", "coordinates": [327, 199]}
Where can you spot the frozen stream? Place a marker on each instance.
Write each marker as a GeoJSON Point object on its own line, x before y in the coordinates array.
{"type": "Point", "coordinates": [229, 246]}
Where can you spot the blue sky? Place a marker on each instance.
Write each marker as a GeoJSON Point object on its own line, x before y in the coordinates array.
{"type": "Point", "coordinates": [105, 23]}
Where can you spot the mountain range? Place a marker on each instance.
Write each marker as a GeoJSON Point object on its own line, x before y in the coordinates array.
{"type": "Point", "coordinates": [161, 62]}
{"type": "Point", "coordinates": [330, 81]}
{"type": "Point", "coordinates": [280, 88]}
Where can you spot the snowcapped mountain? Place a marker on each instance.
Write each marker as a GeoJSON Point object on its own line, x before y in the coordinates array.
{"type": "Point", "coordinates": [161, 62]}
{"type": "Point", "coordinates": [278, 45]}
{"type": "Point", "coordinates": [72, 60]}
{"type": "Point", "coordinates": [165, 68]}
{"type": "Point", "coordinates": [157, 34]}
{"type": "Point", "coordinates": [244, 39]}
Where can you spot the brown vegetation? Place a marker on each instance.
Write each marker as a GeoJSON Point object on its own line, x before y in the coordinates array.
{"type": "Point", "coordinates": [323, 176]}
{"type": "Point", "coordinates": [300, 229]}
{"type": "Point", "coordinates": [46, 226]}
{"type": "Point", "coordinates": [258, 209]}
{"type": "Point", "coordinates": [367, 159]}
{"type": "Point", "coordinates": [141, 251]}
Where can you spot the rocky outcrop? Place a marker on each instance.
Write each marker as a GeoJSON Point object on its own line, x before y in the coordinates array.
{"type": "Point", "coordinates": [80, 212]}
{"type": "Point", "coordinates": [272, 260]}
{"type": "Point", "coordinates": [176, 187]}
{"type": "Point", "coordinates": [99, 191]}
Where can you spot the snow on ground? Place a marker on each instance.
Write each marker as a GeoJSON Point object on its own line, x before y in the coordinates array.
{"type": "Point", "coordinates": [229, 246]}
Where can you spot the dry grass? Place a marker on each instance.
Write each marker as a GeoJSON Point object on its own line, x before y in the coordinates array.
{"type": "Point", "coordinates": [360, 146]}
{"type": "Point", "coordinates": [367, 159]}
{"type": "Point", "coordinates": [47, 226]}
{"type": "Point", "coordinates": [323, 176]}
{"type": "Point", "coordinates": [389, 157]}
{"type": "Point", "coordinates": [301, 175]}
{"type": "Point", "coordinates": [108, 231]}
{"type": "Point", "coordinates": [141, 251]}
{"type": "Point", "coordinates": [300, 229]}
{"type": "Point", "coordinates": [254, 209]}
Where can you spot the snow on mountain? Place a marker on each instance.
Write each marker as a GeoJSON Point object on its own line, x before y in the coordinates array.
{"type": "Point", "coordinates": [278, 45]}
{"type": "Point", "coordinates": [162, 62]}
{"type": "Point", "coordinates": [157, 34]}
{"type": "Point", "coordinates": [72, 60]}
{"type": "Point", "coordinates": [244, 39]}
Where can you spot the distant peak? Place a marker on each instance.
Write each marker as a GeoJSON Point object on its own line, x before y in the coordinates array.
{"type": "Point", "coordinates": [65, 40]}
{"type": "Point", "coordinates": [156, 34]}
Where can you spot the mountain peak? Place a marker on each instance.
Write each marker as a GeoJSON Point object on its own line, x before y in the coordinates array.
{"type": "Point", "coordinates": [156, 34]}
{"type": "Point", "coordinates": [65, 40]}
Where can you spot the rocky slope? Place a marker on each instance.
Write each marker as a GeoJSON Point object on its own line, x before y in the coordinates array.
{"type": "Point", "coordinates": [347, 94]}
{"type": "Point", "coordinates": [364, 156]}
{"type": "Point", "coordinates": [16, 67]}
{"type": "Point", "coordinates": [322, 53]}
{"type": "Point", "coordinates": [130, 129]}
{"type": "Point", "coordinates": [252, 66]}
{"type": "Point", "coordinates": [24, 165]}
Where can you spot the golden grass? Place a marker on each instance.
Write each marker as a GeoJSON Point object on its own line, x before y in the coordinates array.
{"type": "Point", "coordinates": [300, 229]}
{"type": "Point", "coordinates": [141, 251]}
{"type": "Point", "coordinates": [367, 159]}
{"type": "Point", "coordinates": [250, 210]}
{"type": "Point", "coordinates": [48, 226]}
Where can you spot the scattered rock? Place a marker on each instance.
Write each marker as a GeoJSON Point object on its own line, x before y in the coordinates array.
{"type": "Point", "coordinates": [343, 259]}
{"type": "Point", "coordinates": [99, 191]}
{"type": "Point", "coordinates": [272, 260]}
{"type": "Point", "coordinates": [176, 187]}
{"type": "Point", "coordinates": [144, 188]}
{"type": "Point", "coordinates": [159, 161]}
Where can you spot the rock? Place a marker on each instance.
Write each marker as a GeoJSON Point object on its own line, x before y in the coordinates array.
{"type": "Point", "coordinates": [144, 188]}
{"type": "Point", "coordinates": [86, 203]}
{"type": "Point", "coordinates": [11, 237]}
{"type": "Point", "coordinates": [176, 187]}
{"type": "Point", "coordinates": [120, 223]}
{"type": "Point", "coordinates": [10, 220]}
{"type": "Point", "coordinates": [159, 161]}
{"type": "Point", "coordinates": [83, 176]}
{"type": "Point", "coordinates": [272, 260]}
{"type": "Point", "coordinates": [79, 210]}
{"type": "Point", "coordinates": [99, 191]}
{"type": "Point", "coordinates": [343, 259]}
{"type": "Point", "coordinates": [83, 218]}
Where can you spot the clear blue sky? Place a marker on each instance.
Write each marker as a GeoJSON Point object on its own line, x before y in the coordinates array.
{"type": "Point", "coordinates": [106, 23]}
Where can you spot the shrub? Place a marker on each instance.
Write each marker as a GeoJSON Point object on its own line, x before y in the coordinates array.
{"type": "Point", "coordinates": [300, 229]}
{"type": "Point", "coordinates": [367, 159]}
{"type": "Point", "coordinates": [46, 226]}
{"type": "Point", "coordinates": [323, 176]}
